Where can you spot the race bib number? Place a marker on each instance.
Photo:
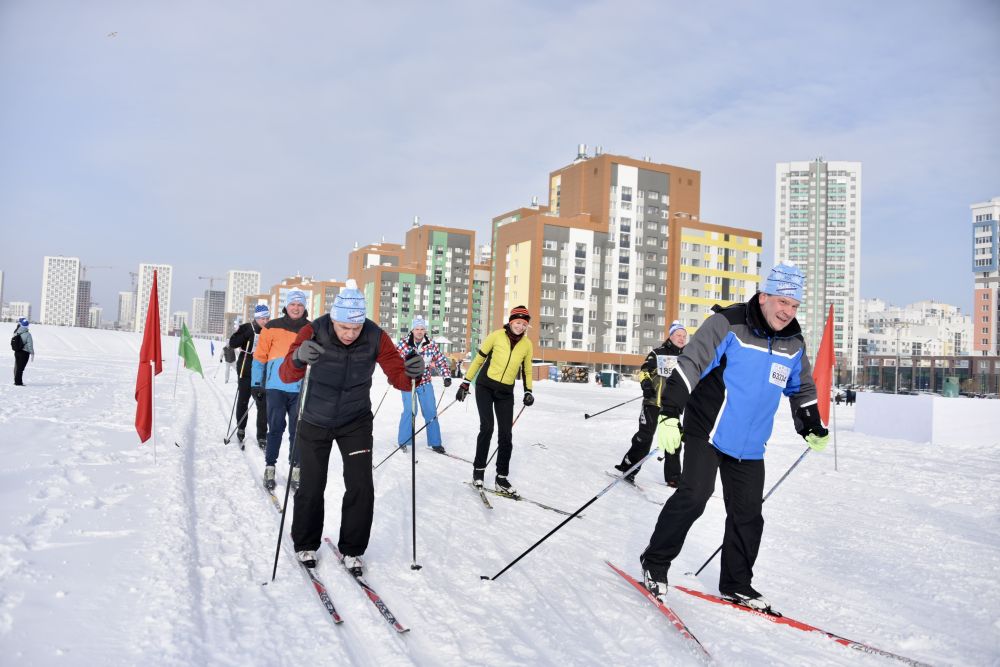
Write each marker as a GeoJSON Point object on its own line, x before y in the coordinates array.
{"type": "Point", "coordinates": [779, 374]}
{"type": "Point", "coordinates": [665, 364]}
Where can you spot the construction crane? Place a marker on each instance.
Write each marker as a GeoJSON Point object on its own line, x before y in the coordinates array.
{"type": "Point", "coordinates": [211, 280]}
{"type": "Point", "coordinates": [83, 270]}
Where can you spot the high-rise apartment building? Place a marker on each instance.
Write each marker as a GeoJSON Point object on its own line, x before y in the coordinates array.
{"type": "Point", "coordinates": [126, 311]}
{"type": "Point", "coordinates": [198, 315]}
{"type": "Point", "coordinates": [215, 312]}
{"type": "Point", "coordinates": [60, 276]}
{"type": "Point", "coordinates": [817, 225]}
{"type": "Point", "coordinates": [479, 314]}
{"type": "Point", "coordinates": [94, 316]}
{"type": "Point", "coordinates": [164, 274]}
{"type": "Point", "coordinates": [83, 303]}
{"type": "Point", "coordinates": [429, 276]}
{"type": "Point", "coordinates": [1, 288]}
{"type": "Point", "coordinates": [986, 268]}
{"type": "Point", "coordinates": [19, 309]}
{"type": "Point", "coordinates": [916, 329]}
{"type": "Point", "coordinates": [618, 253]}
{"type": "Point", "coordinates": [178, 320]}
{"type": "Point", "coordinates": [240, 284]}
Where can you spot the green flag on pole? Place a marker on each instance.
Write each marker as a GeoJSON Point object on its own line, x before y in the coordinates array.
{"type": "Point", "coordinates": [187, 352]}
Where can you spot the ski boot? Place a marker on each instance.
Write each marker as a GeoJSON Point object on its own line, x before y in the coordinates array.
{"type": "Point", "coordinates": [750, 599]}
{"type": "Point", "coordinates": [241, 435]}
{"type": "Point", "coordinates": [354, 565]}
{"type": "Point", "coordinates": [654, 578]}
{"type": "Point", "coordinates": [295, 478]}
{"type": "Point", "coordinates": [307, 558]}
{"type": "Point", "coordinates": [504, 487]}
{"type": "Point", "coordinates": [269, 478]}
{"type": "Point", "coordinates": [623, 467]}
{"type": "Point", "coordinates": [262, 443]}
{"type": "Point", "coordinates": [477, 477]}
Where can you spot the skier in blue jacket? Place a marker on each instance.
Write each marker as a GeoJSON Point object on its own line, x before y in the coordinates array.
{"type": "Point", "coordinates": [728, 384]}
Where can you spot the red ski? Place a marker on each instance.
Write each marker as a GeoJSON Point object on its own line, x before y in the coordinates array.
{"type": "Point", "coordinates": [805, 627]}
{"type": "Point", "coordinates": [675, 620]}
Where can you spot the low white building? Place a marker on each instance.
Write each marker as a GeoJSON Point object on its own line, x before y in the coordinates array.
{"type": "Point", "coordinates": [924, 328]}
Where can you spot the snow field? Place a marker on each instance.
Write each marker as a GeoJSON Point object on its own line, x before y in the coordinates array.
{"type": "Point", "coordinates": [107, 557]}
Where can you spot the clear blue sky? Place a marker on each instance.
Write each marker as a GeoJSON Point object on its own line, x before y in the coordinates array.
{"type": "Point", "coordinates": [272, 136]}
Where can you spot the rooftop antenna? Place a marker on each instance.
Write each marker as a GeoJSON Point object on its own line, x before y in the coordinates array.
{"type": "Point", "coordinates": [416, 221]}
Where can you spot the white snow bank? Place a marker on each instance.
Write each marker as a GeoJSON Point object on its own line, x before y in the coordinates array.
{"type": "Point", "coordinates": [933, 419]}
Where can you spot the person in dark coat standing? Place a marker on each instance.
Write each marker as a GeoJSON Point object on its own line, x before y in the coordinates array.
{"type": "Point", "coordinates": [342, 350]}
{"type": "Point", "coordinates": [245, 339]}
{"type": "Point", "coordinates": [26, 352]}
{"type": "Point", "coordinates": [653, 374]}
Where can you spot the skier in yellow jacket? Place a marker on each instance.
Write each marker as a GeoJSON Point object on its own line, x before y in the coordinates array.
{"type": "Point", "coordinates": [503, 354]}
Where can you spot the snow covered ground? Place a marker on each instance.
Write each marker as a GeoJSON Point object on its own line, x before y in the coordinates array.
{"type": "Point", "coordinates": [107, 557]}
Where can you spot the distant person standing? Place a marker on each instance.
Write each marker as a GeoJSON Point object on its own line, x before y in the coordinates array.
{"type": "Point", "coordinates": [24, 348]}
{"type": "Point", "coordinates": [417, 342]}
{"type": "Point", "coordinates": [282, 397]}
{"type": "Point", "coordinates": [245, 339]}
{"type": "Point", "coordinates": [653, 374]}
{"type": "Point", "coordinates": [504, 354]}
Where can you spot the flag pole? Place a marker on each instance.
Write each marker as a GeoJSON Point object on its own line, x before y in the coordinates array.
{"type": "Point", "coordinates": [833, 422]}
{"type": "Point", "coordinates": [177, 367]}
{"type": "Point", "coordinates": [152, 404]}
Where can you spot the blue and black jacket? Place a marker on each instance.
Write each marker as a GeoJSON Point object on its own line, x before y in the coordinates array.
{"type": "Point", "coordinates": [729, 381]}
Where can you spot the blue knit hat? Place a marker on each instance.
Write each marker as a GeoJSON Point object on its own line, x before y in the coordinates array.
{"type": "Point", "coordinates": [675, 326]}
{"type": "Point", "coordinates": [261, 311]}
{"type": "Point", "coordinates": [418, 323]}
{"type": "Point", "coordinates": [23, 322]}
{"type": "Point", "coordinates": [349, 306]}
{"type": "Point", "coordinates": [785, 279]}
{"type": "Point", "coordinates": [295, 296]}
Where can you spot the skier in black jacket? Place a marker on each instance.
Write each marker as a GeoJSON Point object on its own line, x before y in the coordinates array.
{"type": "Point", "coordinates": [245, 339]}
{"type": "Point", "coordinates": [653, 374]}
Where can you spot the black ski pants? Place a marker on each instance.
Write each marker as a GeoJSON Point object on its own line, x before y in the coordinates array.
{"type": "Point", "coordinates": [243, 407]}
{"type": "Point", "coordinates": [642, 442]}
{"type": "Point", "coordinates": [742, 493]}
{"type": "Point", "coordinates": [358, 505]}
{"type": "Point", "coordinates": [20, 362]}
{"type": "Point", "coordinates": [488, 401]}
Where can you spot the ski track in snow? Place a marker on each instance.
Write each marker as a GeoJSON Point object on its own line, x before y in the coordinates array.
{"type": "Point", "coordinates": [107, 557]}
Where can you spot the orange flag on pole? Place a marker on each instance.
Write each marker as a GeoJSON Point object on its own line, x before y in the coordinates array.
{"type": "Point", "coordinates": [150, 352]}
{"type": "Point", "coordinates": [823, 369]}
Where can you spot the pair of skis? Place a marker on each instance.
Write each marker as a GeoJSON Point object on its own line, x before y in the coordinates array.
{"type": "Point", "coordinates": [773, 617]}
{"type": "Point", "coordinates": [324, 594]}
{"type": "Point", "coordinates": [486, 501]}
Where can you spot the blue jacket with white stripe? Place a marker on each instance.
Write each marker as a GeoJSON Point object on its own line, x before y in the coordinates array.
{"type": "Point", "coordinates": [729, 381]}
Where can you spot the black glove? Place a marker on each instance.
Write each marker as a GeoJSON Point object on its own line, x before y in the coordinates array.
{"type": "Point", "coordinates": [257, 392]}
{"type": "Point", "coordinates": [528, 398]}
{"type": "Point", "coordinates": [307, 353]}
{"type": "Point", "coordinates": [811, 423]}
{"type": "Point", "coordinates": [447, 382]}
{"type": "Point", "coordinates": [414, 364]}
{"type": "Point", "coordinates": [229, 354]}
{"type": "Point", "coordinates": [463, 391]}
{"type": "Point", "coordinates": [647, 389]}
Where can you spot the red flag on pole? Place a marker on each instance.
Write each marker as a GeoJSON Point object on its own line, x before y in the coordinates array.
{"type": "Point", "coordinates": [823, 369]}
{"type": "Point", "coordinates": [149, 352]}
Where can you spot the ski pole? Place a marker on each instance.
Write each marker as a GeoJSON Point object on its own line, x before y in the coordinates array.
{"type": "Point", "coordinates": [512, 428]}
{"type": "Point", "coordinates": [291, 464]}
{"type": "Point", "coordinates": [229, 434]}
{"type": "Point", "coordinates": [400, 445]}
{"type": "Point", "coordinates": [413, 469]}
{"type": "Point", "coordinates": [380, 403]}
{"type": "Point", "coordinates": [229, 437]}
{"type": "Point", "coordinates": [571, 516]}
{"type": "Point", "coordinates": [586, 416]}
{"type": "Point", "coordinates": [797, 461]}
